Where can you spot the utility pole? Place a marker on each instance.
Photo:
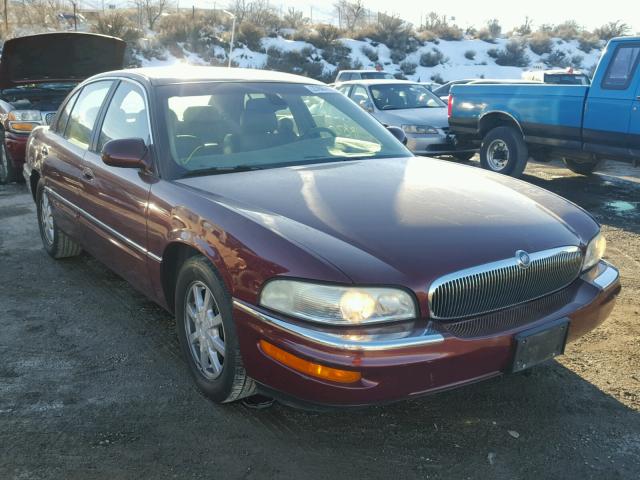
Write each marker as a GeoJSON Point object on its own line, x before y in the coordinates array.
{"type": "Point", "coordinates": [6, 18]}
{"type": "Point", "coordinates": [75, 16]}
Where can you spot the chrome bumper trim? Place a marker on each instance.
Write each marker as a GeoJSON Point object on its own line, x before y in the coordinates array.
{"type": "Point", "coordinates": [343, 342]}
{"type": "Point", "coordinates": [607, 277]}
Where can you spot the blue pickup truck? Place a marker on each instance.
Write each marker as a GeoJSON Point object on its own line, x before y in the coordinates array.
{"type": "Point", "coordinates": [580, 124]}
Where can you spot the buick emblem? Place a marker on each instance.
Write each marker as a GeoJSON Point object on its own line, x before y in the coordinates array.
{"type": "Point", "coordinates": [522, 259]}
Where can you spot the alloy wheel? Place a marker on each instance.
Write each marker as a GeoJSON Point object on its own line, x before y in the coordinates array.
{"type": "Point", "coordinates": [46, 218]}
{"type": "Point", "coordinates": [204, 330]}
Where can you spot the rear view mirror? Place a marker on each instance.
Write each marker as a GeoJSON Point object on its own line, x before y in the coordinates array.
{"type": "Point", "coordinates": [125, 153]}
{"type": "Point", "coordinates": [366, 105]}
{"type": "Point", "coordinates": [398, 133]}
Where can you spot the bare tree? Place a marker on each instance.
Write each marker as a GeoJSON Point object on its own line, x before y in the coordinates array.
{"type": "Point", "coordinates": [151, 10]}
{"type": "Point", "coordinates": [295, 18]}
{"type": "Point", "coordinates": [351, 13]}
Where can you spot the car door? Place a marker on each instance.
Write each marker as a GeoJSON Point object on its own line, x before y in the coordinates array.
{"type": "Point", "coordinates": [115, 198]}
{"type": "Point", "coordinates": [66, 145]}
{"type": "Point", "coordinates": [610, 103]}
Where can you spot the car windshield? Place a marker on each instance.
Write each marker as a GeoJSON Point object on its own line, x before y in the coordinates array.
{"type": "Point", "coordinates": [403, 96]}
{"type": "Point", "coordinates": [222, 127]}
{"type": "Point", "coordinates": [376, 76]}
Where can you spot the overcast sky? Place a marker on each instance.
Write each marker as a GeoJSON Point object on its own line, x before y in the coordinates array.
{"type": "Point", "coordinates": [510, 13]}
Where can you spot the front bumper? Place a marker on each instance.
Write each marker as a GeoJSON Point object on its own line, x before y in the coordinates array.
{"type": "Point", "coordinates": [16, 144]}
{"type": "Point", "coordinates": [435, 144]}
{"type": "Point", "coordinates": [412, 359]}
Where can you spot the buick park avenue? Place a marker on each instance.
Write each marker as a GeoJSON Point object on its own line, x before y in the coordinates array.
{"type": "Point", "coordinates": [303, 250]}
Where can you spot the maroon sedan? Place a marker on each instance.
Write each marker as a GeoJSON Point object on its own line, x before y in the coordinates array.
{"type": "Point", "coordinates": [303, 250]}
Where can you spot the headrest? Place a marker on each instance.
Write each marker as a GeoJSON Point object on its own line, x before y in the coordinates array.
{"type": "Point", "coordinates": [259, 116]}
{"type": "Point", "coordinates": [202, 113]}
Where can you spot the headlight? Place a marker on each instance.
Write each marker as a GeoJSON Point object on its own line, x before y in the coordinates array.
{"type": "Point", "coordinates": [419, 129]}
{"type": "Point", "coordinates": [337, 305]}
{"type": "Point", "coordinates": [595, 251]}
{"type": "Point", "coordinates": [24, 120]}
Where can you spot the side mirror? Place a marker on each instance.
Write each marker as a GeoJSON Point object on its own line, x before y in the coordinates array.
{"type": "Point", "coordinates": [125, 153]}
{"type": "Point", "coordinates": [398, 133]}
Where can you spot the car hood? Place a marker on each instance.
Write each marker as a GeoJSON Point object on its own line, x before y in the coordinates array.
{"type": "Point", "coordinates": [400, 221]}
{"type": "Point", "coordinates": [435, 117]}
{"type": "Point", "coordinates": [58, 57]}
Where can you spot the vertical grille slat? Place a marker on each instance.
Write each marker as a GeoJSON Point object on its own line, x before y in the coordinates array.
{"type": "Point", "coordinates": [503, 284]}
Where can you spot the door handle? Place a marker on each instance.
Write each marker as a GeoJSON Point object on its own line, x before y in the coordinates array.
{"type": "Point", "coordinates": [44, 151]}
{"type": "Point", "coordinates": [87, 173]}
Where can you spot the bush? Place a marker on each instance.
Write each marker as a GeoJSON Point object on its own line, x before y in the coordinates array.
{"type": "Point", "coordinates": [485, 35]}
{"type": "Point", "coordinates": [251, 35]}
{"type": "Point", "coordinates": [336, 54]}
{"type": "Point", "coordinates": [540, 43]}
{"type": "Point", "coordinates": [494, 28]}
{"type": "Point", "coordinates": [427, 36]}
{"type": "Point", "coordinates": [325, 36]}
{"type": "Point", "coordinates": [408, 68]}
{"type": "Point", "coordinates": [449, 32]}
{"type": "Point", "coordinates": [558, 59]}
{"type": "Point", "coordinates": [432, 58]}
{"type": "Point", "coordinates": [397, 56]}
{"type": "Point", "coordinates": [513, 55]}
{"type": "Point", "coordinates": [576, 61]}
{"type": "Point", "coordinates": [588, 42]}
{"type": "Point", "coordinates": [470, 54]}
{"type": "Point", "coordinates": [198, 34]}
{"type": "Point", "coordinates": [493, 52]}
{"type": "Point", "coordinates": [370, 53]}
{"type": "Point", "coordinates": [436, 77]}
{"type": "Point", "coordinates": [118, 25]}
{"type": "Point", "coordinates": [293, 61]}
{"type": "Point", "coordinates": [569, 30]}
{"type": "Point", "coordinates": [611, 30]}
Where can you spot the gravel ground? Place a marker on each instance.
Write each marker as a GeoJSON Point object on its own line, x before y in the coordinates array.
{"type": "Point", "coordinates": [92, 384]}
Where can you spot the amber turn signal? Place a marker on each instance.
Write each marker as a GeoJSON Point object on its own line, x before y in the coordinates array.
{"type": "Point", "coordinates": [307, 367]}
{"type": "Point", "coordinates": [21, 126]}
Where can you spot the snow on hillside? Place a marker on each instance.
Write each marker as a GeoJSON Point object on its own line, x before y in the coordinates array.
{"type": "Point", "coordinates": [455, 64]}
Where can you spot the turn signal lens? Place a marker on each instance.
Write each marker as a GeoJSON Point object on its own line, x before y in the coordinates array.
{"type": "Point", "coordinates": [308, 368]}
{"type": "Point", "coordinates": [21, 126]}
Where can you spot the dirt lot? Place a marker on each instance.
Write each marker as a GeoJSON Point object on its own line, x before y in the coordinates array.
{"type": "Point", "coordinates": [92, 384]}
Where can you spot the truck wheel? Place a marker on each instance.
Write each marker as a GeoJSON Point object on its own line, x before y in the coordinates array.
{"type": "Point", "coordinates": [504, 151]}
{"type": "Point", "coordinates": [7, 170]}
{"type": "Point", "coordinates": [581, 167]}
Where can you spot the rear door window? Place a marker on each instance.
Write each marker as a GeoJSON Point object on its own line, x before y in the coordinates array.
{"type": "Point", "coordinates": [622, 68]}
{"type": "Point", "coordinates": [85, 112]}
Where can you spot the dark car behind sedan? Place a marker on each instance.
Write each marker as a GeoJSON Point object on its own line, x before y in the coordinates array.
{"type": "Point", "coordinates": [303, 250]}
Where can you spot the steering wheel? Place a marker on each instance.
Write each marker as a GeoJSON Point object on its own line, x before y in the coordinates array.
{"type": "Point", "coordinates": [316, 131]}
{"type": "Point", "coordinates": [198, 149]}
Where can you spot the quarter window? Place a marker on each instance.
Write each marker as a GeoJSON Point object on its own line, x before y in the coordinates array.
{"type": "Point", "coordinates": [622, 67]}
{"type": "Point", "coordinates": [84, 113]}
{"type": "Point", "coordinates": [126, 116]}
{"type": "Point", "coordinates": [63, 117]}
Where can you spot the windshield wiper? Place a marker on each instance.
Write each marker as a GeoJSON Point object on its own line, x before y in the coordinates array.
{"type": "Point", "coordinates": [219, 170]}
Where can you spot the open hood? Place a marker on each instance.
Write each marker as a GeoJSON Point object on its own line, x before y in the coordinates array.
{"type": "Point", "coordinates": [58, 57]}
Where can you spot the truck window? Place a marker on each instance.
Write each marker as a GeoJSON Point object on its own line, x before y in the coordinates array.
{"type": "Point", "coordinates": [622, 67]}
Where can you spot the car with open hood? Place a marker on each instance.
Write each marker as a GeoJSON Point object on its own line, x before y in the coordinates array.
{"type": "Point", "coordinates": [36, 74]}
{"type": "Point", "coordinates": [304, 251]}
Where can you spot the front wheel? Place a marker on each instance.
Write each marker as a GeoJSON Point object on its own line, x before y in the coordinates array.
{"type": "Point", "coordinates": [580, 167]}
{"type": "Point", "coordinates": [57, 243]}
{"type": "Point", "coordinates": [504, 151]}
{"type": "Point", "coordinates": [207, 333]}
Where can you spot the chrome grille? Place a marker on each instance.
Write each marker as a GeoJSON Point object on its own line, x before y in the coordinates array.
{"type": "Point", "coordinates": [497, 285]}
{"type": "Point", "coordinates": [48, 118]}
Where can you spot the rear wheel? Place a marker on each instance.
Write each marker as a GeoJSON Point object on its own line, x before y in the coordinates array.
{"type": "Point", "coordinates": [207, 333]}
{"type": "Point", "coordinates": [7, 170]}
{"type": "Point", "coordinates": [581, 167]}
{"type": "Point", "coordinates": [504, 151]}
{"type": "Point", "coordinates": [57, 243]}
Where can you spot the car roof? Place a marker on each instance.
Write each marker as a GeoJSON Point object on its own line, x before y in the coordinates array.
{"type": "Point", "coordinates": [377, 81]}
{"type": "Point", "coordinates": [196, 74]}
{"type": "Point", "coordinates": [362, 71]}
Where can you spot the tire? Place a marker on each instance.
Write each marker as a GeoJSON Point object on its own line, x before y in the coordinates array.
{"type": "Point", "coordinates": [8, 172]}
{"type": "Point", "coordinates": [217, 369]}
{"type": "Point", "coordinates": [463, 156]}
{"type": "Point", "coordinates": [57, 243]}
{"type": "Point", "coordinates": [504, 151]}
{"type": "Point", "coordinates": [582, 168]}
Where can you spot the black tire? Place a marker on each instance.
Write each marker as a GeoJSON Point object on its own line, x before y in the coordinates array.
{"type": "Point", "coordinates": [232, 382]}
{"type": "Point", "coordinates": [8, 172]}
{"type": "Point", "coordinates": [581, 167]}
{"type": "Point", "coordinates": [463, 156]}
{"type": "Point", "coordinates": [508, 142]}
{"type": "Point", "coordinates": [60, 245]}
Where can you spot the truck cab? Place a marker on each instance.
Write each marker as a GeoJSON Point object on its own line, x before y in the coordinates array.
{"type": "Point", "coordinates": [582, 124]}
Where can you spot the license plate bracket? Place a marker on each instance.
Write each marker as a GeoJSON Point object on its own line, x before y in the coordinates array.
{"type": "Point", "coordinates": [539, 344]}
